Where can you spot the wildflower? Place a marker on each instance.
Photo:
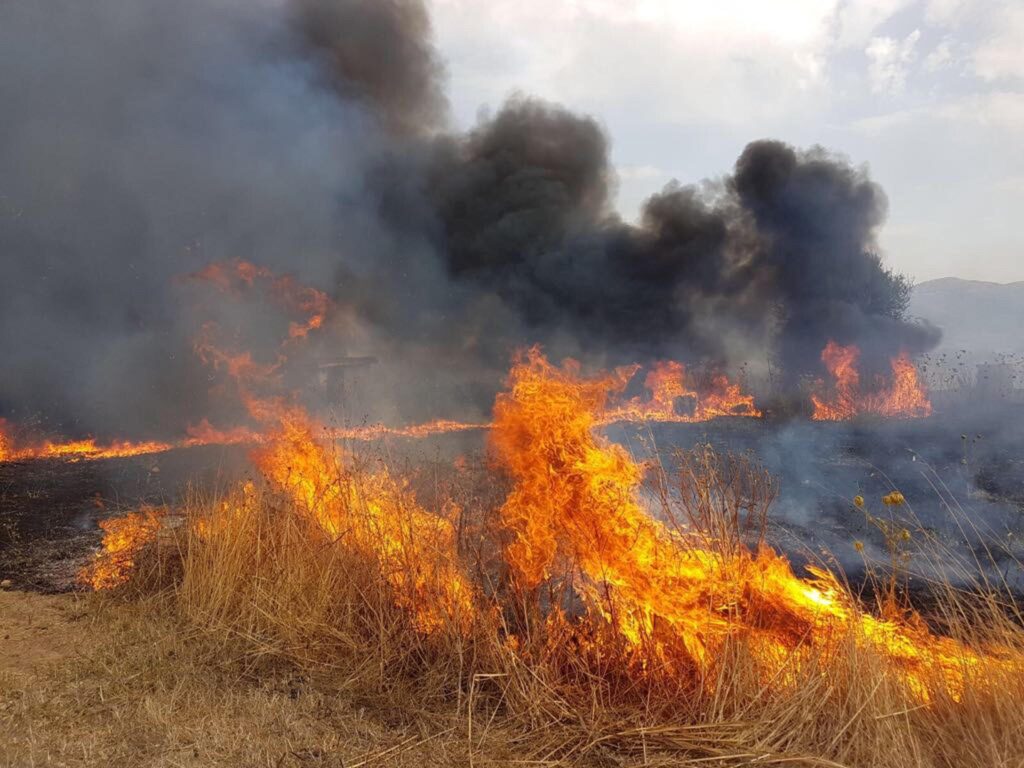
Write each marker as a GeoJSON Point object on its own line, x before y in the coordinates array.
{"type": "Point", "coordinates": [893, 499]}
{"type": "Point", "coordinates": [858, 501]}
{"type": "Point", "coordinates": [905, 534]}
{"type": "Point", "coordinates": [859, 546]}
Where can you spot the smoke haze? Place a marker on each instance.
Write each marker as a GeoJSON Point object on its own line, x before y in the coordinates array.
{"type": "Point", "coordinates": [140, 142]}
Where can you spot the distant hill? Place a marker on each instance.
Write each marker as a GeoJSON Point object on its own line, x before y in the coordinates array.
{"type": "Point", "coordinates": [982, 318]}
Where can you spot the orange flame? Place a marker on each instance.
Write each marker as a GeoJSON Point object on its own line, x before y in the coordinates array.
{"type": "Point", "coordinates": [901, 398]}
{"type": "Point", "coordinates": [667, 382]}
{"type": "Point", "coordinates": [123, 539]}
{"type": "Point", "coordinates": [285, 291]}
{"type": "Point", "coordinates": [574, 510]}
{"type": "Point", "coordinates": [670, 388]}
{"type": "Point", "coordinates": [88, 448]}
{"type": "Point", "coordinates": [373, 511]}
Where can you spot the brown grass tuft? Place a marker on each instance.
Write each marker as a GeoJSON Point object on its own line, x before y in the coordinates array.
{"type": "Point", "coordinates": [265, 593]}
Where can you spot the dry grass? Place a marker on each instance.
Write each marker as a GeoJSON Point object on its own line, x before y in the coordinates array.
{"type": "Point", "coordinates": [137, 688]}
{"type": "Point", "coordinates": [269, 594]}
{"type": "Point", "coordinates": [250, 636]}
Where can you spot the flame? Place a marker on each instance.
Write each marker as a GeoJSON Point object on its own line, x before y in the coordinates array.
{"type": "Point", "coordinates": [427, 429]}
{"type": "Point", "coordinates": [123, 539]}
{"type": "Point", "coordinates": [574, 517]}
{"type": "Point", "coordinates": [88, 448]}
{"type": "Point", "coordinates": [574, 511]}
{"type": "Point", "coordinates": [668, 382]}
{"type": "Point", "coordinates": [903, 397]}
{"type": "Point", "coordinates": [669, 386]}
{"type": "Point", "coordinates": [205, 434]}
{"type": "Point", "coordinates": [284, 290]}
{"type": "Point", "coordinates": [6, 442]}
{"type": "Point", "coordinates": [373, 511]}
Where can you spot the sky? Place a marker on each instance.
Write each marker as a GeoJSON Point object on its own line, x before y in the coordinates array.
{"type": "Point", "coordinates": [928, 94]}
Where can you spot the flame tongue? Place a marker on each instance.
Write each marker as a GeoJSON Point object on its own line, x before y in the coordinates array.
{"type": "Point", "coordinates": [123, 539]}
{"type": "Point", "coordinates": [574, 511]}
{"type": "Point", "coordinates": [373, 511]}
{"type": "Point", "coordinates": [574, 515]}
{"type": "Point", "coordinates": [669, 385]}
{"type": "Point", "coordinates": [901, 398]}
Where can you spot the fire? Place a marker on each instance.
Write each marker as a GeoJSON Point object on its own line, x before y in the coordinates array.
{"type": "Point", "coordinates": [123, 539]}
{"type": "Point", "coordinates": [427, 429]}
{"type": "Point", "coordinates": [573, 520]}
{"type": "Point", "coordinates": [669, 383]}
{"type": "Point", "coordinates": [373, 511]}
{"type": "Point", "coordinates": [12, 449]}
{"type": "Point", "coordinates": [670, 386]}
{"type": "Point", "coordinates": [90, 449]}
{"type": "Point", "coordinates": [6, 443]}
{"type": "Point", "coordinates": [574, 513]}
{"type": "Point", "coordinates": [284, 290]}
{"type": "Point", "coordinates": [901, 398]}
{"type": "Point", "coordinates": [205, 434]}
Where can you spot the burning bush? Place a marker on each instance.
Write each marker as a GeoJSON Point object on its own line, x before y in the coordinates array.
{"type": "Point", "coordinates": [594, 620]}
{"type": "Point", "coordinates": [902, 397]}
{"type": "Point", "coordinates": [124, 538]}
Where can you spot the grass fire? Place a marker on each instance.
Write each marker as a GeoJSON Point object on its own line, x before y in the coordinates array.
{"type": "Point", "coordinates": [348, 420]}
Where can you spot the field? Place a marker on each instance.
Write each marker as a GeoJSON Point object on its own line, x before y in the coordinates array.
{"type": "Point", "coordinates": [562, 603]}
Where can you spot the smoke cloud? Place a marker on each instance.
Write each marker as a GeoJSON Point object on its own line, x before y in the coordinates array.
{"type": "Point", "coordinates": [140, 142]}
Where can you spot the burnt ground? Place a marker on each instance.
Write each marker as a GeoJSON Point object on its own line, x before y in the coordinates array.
{"type": "Point", "coordinates": [945, 466]}
{"type": "Point", "coordinates": [50, 509]}
{"type": "Point", "coordinates": [962, 475]}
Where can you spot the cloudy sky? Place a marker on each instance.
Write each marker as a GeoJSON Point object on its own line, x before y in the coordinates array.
{"type": "Point", "coordinates": [928, 93]}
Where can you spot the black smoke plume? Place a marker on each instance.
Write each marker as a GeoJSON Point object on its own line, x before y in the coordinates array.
{"type": "Point", "coordinates": [140, 141]}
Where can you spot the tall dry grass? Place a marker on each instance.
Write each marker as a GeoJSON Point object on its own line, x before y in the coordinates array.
{"type": "Point", "coordinates": [266, 586]}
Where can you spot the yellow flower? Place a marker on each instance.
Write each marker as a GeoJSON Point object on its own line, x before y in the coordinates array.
{"type": "Point", "coordinates": [893, 499]}
{"type": "Point", "coordinates": [859, 546]}
{"type": "Point", "coordinates": [905, 534]}
{"type": "Point", "coordinates": [858, 500]}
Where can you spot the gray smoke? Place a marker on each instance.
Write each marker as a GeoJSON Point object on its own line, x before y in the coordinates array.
{"type": "Point", "coordinates": [141, 141]}
{"type": "Point", "coordinates": [379, 53]}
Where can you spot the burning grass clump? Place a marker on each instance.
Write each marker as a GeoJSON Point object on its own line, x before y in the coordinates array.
{"type": "Point", "coordinates": [585, 616]}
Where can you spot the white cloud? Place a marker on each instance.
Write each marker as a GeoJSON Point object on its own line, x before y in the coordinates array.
{"type": "Point", "coordinates": [858, 19]}
{"type": "Point", "coordinates": [1002, 54]}
{"type": "Point", "coordinates": [940, 57]}
{"type": "Point", "coordinates": [947, 12]}
{"type": "Point", "coordinates": [997, 110]}
{"type": "Point", "coordinates": [686, 61]}
{"type": "Point", "coordinates": [641, 173]}
{"type": "Point", "coordinates": [889, 61]}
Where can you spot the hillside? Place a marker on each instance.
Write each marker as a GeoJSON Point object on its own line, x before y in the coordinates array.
{"type": "Point", "coordinates": [983, 318]}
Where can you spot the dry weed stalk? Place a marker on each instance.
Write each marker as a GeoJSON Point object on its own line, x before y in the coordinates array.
{"type": "Point", "coordinates": [262, 579]}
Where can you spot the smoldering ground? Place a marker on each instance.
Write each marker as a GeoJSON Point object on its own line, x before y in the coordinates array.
{"type": "Point", "coordinates": [140, 141]}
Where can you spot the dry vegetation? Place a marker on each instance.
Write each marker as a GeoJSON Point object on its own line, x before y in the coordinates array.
{"type": "Point", "coordinates": [249, 637]}
{"type": "Point", "coordinates": [546, 610]}
{"type": "Point", "coordinates": [124, 684]}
